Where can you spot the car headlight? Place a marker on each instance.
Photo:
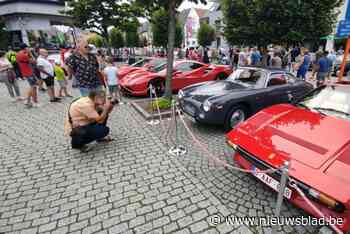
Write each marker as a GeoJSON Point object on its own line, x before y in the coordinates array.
{"type": "Point", "coordinates": [180, 94]}
{"type": "Point", "coordinates": [207, 106]}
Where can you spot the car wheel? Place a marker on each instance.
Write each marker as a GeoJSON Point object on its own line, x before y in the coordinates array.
{"type": "Point", "coordinates": [221, 76]}
{"type": "Point", "coordinates": [236, 115]}
{"type": "Point", "coordinates": [159, 87]}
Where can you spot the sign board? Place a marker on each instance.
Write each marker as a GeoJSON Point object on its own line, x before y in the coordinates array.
{"type": "Point", "coordinates": [343, 29]}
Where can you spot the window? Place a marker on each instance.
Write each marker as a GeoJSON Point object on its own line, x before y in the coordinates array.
{"type": "Point", "coordinates": [186, 67]}
{"type": "Point", "coordinates": [277, 79]}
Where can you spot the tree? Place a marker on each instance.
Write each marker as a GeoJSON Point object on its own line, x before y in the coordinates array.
{"type": "Point", "coordinates": [131, 35]}
{"type": "Point", "coordinates": [116, 38]}
{"type": "Point", "coordinates": [262, 22]}
{"type": "Point", "coordinates": [98, 15]}
{"type": "Point", "coordinates": [205, 35]}
{"type": "Point", "coordinates": [170, 6]}
{"type": "Point", "coordinates": [159, 26]}
{"type": "Point", "coordinates": [96, 40]}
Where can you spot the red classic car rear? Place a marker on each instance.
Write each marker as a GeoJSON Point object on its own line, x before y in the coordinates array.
{"type": "Point", "coordinates": [185, 73]}
{"type": "Point", "coordinates": [314, 135]}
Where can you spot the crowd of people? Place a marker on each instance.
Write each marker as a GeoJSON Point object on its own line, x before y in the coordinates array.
{"type": "Point", "coordinates": [92, 73]}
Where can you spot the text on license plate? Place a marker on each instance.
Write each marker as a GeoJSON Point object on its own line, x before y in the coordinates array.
{"type": "Point", "coordinates": [271, 182]}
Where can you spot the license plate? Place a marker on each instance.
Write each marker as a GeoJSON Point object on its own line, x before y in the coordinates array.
{"type": "Point", "coordinates": [271, 182]}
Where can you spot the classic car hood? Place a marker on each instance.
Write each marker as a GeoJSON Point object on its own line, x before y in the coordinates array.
{"type": "Point", "coordinates": [298, 134]}
{"type": "Point", "coordinates": [213, 88]}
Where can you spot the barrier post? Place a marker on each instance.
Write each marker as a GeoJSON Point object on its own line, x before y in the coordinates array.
{"type": "Point", "coordinates": [282, 188]}
{"type": "Point", "coordinates": [153, 121]}
{"type": "Point", "coordinates": [177, 150]}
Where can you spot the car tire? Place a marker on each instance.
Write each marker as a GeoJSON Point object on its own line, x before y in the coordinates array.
{"type": "Point", "coordinates": [221, 76]}
{"type": "Point", "coordinates": [238, 112]}
{"type": "Point", "coordinates": [159, 87]}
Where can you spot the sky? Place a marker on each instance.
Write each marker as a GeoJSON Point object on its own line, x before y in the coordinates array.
{"type": "Point", "coordinates": [186, 4]}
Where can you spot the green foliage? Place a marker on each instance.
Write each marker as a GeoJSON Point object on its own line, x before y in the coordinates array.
{"type": "Point", "coordinates": [163, 103]}
{"type": "Point", "coordinates": [96, 40]}
{"type": "Point", "coordinates": [98, 15]}
{"type": "Point", "coordinates": [159, 25]}
{"type": "Point", "coordinates": [262, 22]}
{"type": "Point", "coordinates": [131, 35]}
{"type": "Point", "coordinates": [206, 35]}
{"type": "Point", "coordinates": [116, 38]}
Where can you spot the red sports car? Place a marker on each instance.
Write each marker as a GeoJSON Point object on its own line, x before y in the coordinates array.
{"type": "Point", "coordinates": [143, 64]}
{"type": "Point", "coordinates": [314, 135]}
{"type": "Point", "coordinates": [185, 73]}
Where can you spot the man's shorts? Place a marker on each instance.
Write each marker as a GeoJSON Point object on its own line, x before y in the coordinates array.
{"type": "Point", "coordinates": [49, 81]}
{"type": "Point", "coordinates": [32, 81]}
{"type": "Point", "coordinates": [62, 83]}
{"type": "Point", "coordinates": [113, 88]}
{"type": "Point", "coordinates": [321, 76]}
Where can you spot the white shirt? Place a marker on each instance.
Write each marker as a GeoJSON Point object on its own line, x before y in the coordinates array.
{"type": "Point", "coordinates": [111, 74]}
{"type": "Point", "coordinates": [46, 65]}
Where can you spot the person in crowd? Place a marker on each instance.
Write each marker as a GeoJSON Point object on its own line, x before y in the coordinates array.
{"type": "Point", "coordinates": [304, 64]}
{"type": "Point", "coordinates": [84, 66]}
{"type": "Point", "coordinates": [25, 61]}
{"type": "Point", "coordinates": [101, 59]}
{"type": "Point", "coordinates": [318, 55]}
{"type": "Point", "coordinates": [255, 57]}
{"type": "Point", "coordinates": [11, 57]}
{"type": "Point", "coordinates": [86, 120]}
{"type": "Point", "coordinates": [187, 54]}
{"type": "Point", "coordinates": [235, 58]}
{"type": "Point", "coordinates": [110, 73]}
{"type": "Point", "coordinates": [8, 77]}
{"type": "Point", "coordinates": [242, 59]}
{"type": "Point", "coordinates": [332, 57]}
{"type": "Point", "coordinates": [206, 56]}
{"type": "Point", "coordinates": [47, 74]}
{"type": "Point", "coordinates": [276, 61]}
{"type": "Point", "coordinates": [322, 69]}
{"type": "Point", "coordinates": [60, 77]}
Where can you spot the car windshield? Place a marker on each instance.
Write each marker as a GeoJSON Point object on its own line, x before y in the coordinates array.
{"type": "Point", "coordinates": [331, 100]}
{"type": "Point", "coordinates": [140, 63]}
{"type": "Point", "coordinates": [247, 77]}
{"type": "Point", "coordinates": [159, 68]}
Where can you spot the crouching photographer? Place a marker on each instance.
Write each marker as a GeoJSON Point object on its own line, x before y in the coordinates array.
{"type": "Point", "coordinates": [87, 119]}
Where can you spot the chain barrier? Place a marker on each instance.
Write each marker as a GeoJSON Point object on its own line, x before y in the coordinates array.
{"type": "Point", "coordinates": [294, 185]}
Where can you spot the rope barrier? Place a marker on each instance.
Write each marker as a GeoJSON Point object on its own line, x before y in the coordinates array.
{"type": "Point", "coordinates": [319, 213]}
{"type": "Point", "coordinates": [209, 155]}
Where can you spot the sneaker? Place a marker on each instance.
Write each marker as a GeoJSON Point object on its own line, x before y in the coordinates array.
{"type": "Point", "coordinates": [36, 105]}
{"type": "Point", "coordinates": [19, 99]}
{"type": "Point", "coordinates": [28, 104]}
{"type": "Point", "coordinates": [56, 99]}
{"type": "Point", "coordinates": [86, 149]}
{"type": "Point", "coordinates": [68, 95]}
{"type": "Point", "coordinates": [42, 89]}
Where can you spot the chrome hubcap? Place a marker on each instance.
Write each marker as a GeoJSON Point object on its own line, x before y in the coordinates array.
{"type": "Point", "coordinates": [237, 117]}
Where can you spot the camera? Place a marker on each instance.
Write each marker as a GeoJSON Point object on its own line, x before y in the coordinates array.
{"type": "Point", "coordinates": [113, 101]}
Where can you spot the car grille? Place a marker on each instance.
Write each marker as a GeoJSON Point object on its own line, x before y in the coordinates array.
{"type": "Point", "coordinates": [188, 108]}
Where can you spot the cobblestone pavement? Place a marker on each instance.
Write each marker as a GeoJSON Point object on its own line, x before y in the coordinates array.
{"type": "Point", "coordinates": [129, 186]}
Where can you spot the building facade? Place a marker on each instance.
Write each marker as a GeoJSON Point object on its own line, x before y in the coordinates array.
{"type": "Point", "coordinates": [31, 21]}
